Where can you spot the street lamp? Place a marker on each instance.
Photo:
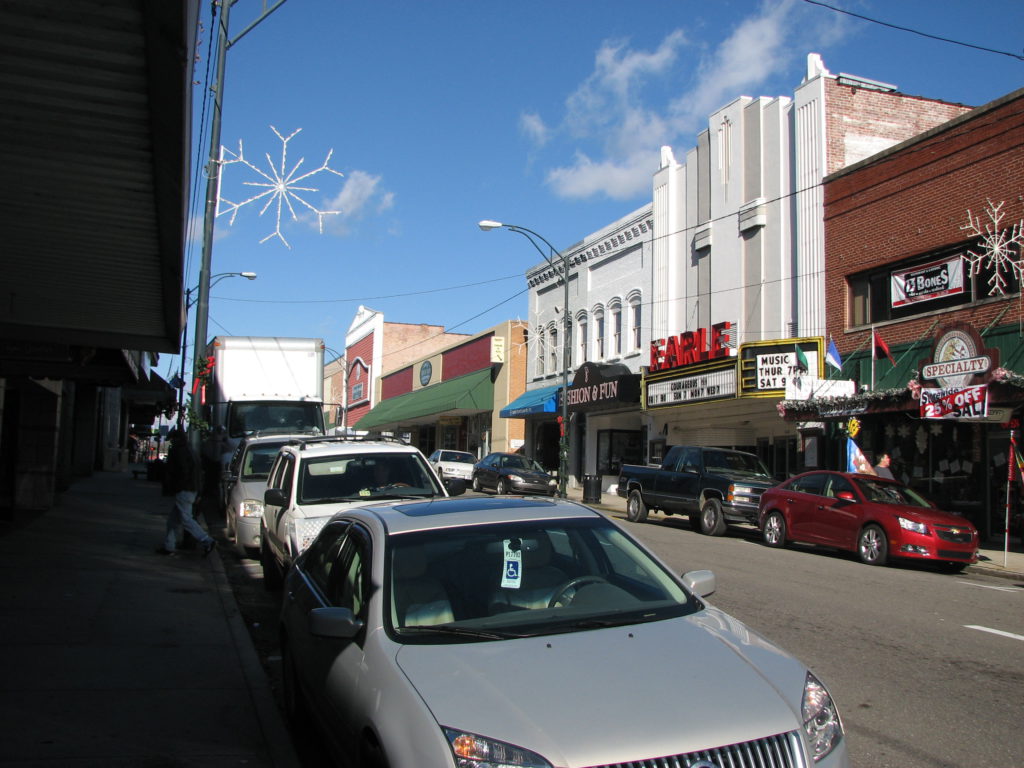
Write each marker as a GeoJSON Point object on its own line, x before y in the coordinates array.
{"type": "Point", "coordinates": [563, 442]}
{"type": "Point", "coordinates": [189, 302]}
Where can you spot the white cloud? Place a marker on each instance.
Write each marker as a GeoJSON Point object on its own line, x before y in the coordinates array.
{"type": "Point", "coordinates": [618, 127]}
{"type": "Point", "coordinates": [618, 179]}
{"type": "Point", "coordinates": [361, 195]}
{"type": "Point", "coordinates": [532, 124]}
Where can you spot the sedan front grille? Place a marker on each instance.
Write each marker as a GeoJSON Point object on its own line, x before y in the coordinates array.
{"type": "Point", "coordinates": [959, 535]}
{"type": "Point", "coordinates": [781, 751]}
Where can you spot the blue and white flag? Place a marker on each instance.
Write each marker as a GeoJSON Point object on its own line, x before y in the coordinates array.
{"type": "Point", "coordinates": [856, 461]}
{"type": "Point", "coordinates": [832, 355]}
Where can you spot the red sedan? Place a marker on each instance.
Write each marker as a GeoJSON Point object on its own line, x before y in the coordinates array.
{"type": "Point", "coordinates": [876, 518]}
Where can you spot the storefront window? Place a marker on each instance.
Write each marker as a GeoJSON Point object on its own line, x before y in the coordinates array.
{"type": "Point", "coordinates": [616, 447]}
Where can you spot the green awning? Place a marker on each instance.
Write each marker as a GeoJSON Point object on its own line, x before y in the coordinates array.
{"type": "Point", "coordinates": [471, 393]}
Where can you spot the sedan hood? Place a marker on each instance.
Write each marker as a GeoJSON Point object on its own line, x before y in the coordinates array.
{"type": "Point", "coordinates": [933, 516]}
{"type": "Point", "coordinates": [614, 695]}
{"type": "Point", "coordinates": [530, 474]}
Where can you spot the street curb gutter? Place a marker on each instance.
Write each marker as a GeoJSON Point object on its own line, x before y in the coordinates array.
{"type": "Point", "coordinates": [275, 733]}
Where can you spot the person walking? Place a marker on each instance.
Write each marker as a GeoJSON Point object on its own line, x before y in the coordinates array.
{"type": "Point", "coordinates": [882, 467]}
{"type": "Point", "coordinates": [183, 481]}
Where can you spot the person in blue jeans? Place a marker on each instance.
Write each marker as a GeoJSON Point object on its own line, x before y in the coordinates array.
{"type": "Point", "coordinates": [183, 480]}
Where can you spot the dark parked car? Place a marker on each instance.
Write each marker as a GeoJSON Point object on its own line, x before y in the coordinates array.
{"type": "Point", "coordinates": [877, 518]}
{"type": "Point", "coordinates": [512, 473]}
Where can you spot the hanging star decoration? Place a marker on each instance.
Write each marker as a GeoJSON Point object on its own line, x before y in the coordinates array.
{"type": "Point", "coordinates": [937, 430]}
{"type": "Point", "coordinates": [281, 186]}
{"type": "Point", "coordinates": [1000, 249]}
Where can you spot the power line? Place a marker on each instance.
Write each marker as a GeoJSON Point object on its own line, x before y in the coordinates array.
{"type": "Point", "coordinates": [912, 31]}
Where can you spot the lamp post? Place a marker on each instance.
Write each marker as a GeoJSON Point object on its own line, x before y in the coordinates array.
{"type": "Point", "coordinates": [563, 442]}
{"type": "Point", "coordinates": [189, 302]}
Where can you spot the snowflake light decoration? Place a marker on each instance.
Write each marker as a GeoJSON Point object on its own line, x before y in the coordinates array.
{"type": "Point", "coordinates": [997, 248]}
{"type": "Point", "coordinates": [281, 185]}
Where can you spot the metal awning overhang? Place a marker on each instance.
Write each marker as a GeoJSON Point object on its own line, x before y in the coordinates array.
{"type": "Point", "coordinates": [542, 400]}
{"type": "Point", "coordinates": [472, 393]}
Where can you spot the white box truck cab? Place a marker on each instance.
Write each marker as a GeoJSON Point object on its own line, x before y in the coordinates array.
{"type": "Point", "coordinates": [265, 384]}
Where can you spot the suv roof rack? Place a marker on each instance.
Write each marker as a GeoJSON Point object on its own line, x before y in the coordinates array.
{"type": "Point", "coordinates": [303, 442]}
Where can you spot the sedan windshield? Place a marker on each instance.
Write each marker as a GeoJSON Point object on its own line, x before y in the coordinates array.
{"type": "Point", "coordinates": [495, 581]}
{"type": "Point", "coordinates": [457, 456]}
{"type": "Point", "coordinates": [890, 493]}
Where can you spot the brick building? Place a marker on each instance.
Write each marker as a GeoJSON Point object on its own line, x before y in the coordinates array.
{"type": "Point", "coordinates": [908, 236]}
{"type": "Point", "coordinates": [451, 398]}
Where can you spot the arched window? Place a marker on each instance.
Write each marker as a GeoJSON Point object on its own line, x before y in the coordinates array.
{"type": "Point", "coordinates": [540, 353]}
{"type": "Point", "coordinates": [554, 349]}
{"type": "Point", "coordinates": [581, 324]}
{"type": "Point", "coordinates": [635, 318]}
{"type": "Point", "coordinates": [599, 333]}
{"type": "Point", "coordinates": [615, 330]}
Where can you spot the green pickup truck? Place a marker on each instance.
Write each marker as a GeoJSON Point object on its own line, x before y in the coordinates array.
{"type": "Point", "coordinates": [714, 486]}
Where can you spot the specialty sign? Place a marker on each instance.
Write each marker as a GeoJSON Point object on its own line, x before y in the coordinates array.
{"type": "Point", "coordinates": [954, 403]}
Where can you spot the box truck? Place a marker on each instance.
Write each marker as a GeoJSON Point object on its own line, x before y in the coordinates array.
{"type": "Point", "coordinates": [265, 384]}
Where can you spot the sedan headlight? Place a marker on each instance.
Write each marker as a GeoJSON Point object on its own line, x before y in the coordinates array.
{"type": "Point", "coordinates": [910, 525]}
{"type": "Point", "coordinates": [515, 478]}
{"type": "Point", "coordinates": [251, 508]}
{"type": "Point", "coordinates": [472, 751]}
{"type": "Point", "coordinates": [822, 725]}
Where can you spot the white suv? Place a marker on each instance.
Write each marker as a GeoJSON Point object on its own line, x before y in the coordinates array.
{"type": "Point", "coordinates": [313, 478]}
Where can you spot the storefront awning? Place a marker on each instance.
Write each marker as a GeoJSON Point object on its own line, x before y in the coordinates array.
{"type": "Point", "coordinates": [472, 393]}
{"type": "Point", "coordinates": [543, 400]}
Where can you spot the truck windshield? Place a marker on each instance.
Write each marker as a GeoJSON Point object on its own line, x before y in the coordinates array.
{"type": "Point", "coordinates": [250, 418]}
{"type": "Point", "coordinates": [738, 463]}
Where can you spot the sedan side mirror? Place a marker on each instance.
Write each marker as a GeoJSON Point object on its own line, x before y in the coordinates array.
{"type": "Point", "coordinates": [331, 621]}
{"type": "Point", "coordinates": [846, 496]}
{"type": "Point", "coordinates": [700, 583]}
{"type": "Point", "coordinates": [274, 497]}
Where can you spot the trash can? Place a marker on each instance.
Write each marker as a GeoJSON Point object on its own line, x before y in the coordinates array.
{"type": "Point", "coordinates": [591, 489]}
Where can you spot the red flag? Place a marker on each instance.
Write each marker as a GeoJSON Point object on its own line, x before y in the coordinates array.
{"type": "Point", "coordinates": [1013, 458]}
{"type": "Point", "coordinates": [881, 349]}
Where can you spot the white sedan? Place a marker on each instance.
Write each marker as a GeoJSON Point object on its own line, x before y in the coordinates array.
{"type": "Point", "coordinates": [452, 464]}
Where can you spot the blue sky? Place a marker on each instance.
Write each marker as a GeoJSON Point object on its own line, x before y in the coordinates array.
{"type": "Point", "coordinates": [549, 115]}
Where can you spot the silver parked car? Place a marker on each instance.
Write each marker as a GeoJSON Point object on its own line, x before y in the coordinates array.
{"type": "Point", "coordinates": [496, 631]}
{"type": "Point", "coordinates": [246, 482]}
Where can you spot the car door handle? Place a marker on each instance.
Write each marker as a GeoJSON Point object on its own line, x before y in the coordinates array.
{"type": "Point", "coordinates": [291, 597]}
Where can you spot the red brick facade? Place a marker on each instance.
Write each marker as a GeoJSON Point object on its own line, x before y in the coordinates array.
{"type": "Point", "coordinates": [913, 200]}
{"type": "Point", "coordinates": [858, 119]}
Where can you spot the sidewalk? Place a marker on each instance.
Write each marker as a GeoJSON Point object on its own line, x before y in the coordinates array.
{"type": "Point", "coordinates": [115, 656]}
{"type": "Point", "coordinates": [990, 560]}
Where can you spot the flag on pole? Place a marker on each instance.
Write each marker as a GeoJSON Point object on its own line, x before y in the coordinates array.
{"type": "Point", "coordinates": [832, 355]}
{"type": "Point", "coordinates": [856, 461]}
{"type": "Point", "coordinates": [881, 349]}
{"type": "Point", "coordinates": [801, 359]}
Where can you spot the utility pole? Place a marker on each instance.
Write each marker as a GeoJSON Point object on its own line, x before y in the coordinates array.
{"type": "Point", "coordinates": [213, 182]}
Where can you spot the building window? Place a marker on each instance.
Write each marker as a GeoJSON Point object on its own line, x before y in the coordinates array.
{"type": "Point", "coordinates": [616, 331]}
{"type": "Point", "coordinates": [599, 335]}
{"type": "Point", "coordinates": [541, 352]}
{"type": "Point", "coordinates": [935, 281]}
{"type": "Point", "coordinates": [357, 391]}
{"type": "Point", "coordinates": [634, 309]}
{"type": "Point", "coordinates": [553, 349]}
{"type": "Point", "coordinates": [583, 340]}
